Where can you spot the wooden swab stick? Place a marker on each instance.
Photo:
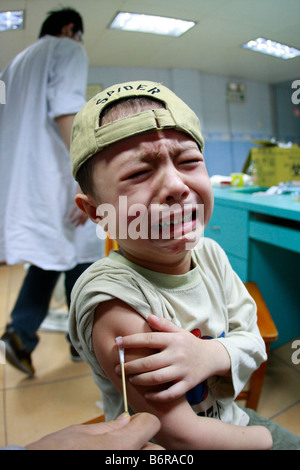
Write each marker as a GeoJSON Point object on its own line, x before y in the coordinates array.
{"type": "Point", "coordinates": [122, 361]}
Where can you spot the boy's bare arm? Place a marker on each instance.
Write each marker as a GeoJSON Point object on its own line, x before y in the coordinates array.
{"type": "Point", "coordinates": [114, 318]}
{"type": "Point", "coordinates": [184, 361]}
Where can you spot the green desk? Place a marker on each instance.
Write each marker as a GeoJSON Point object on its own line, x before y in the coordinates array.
{"type": "Point", "coordinates": [261, 236]}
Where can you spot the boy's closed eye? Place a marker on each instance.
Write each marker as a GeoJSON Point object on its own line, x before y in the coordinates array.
{"type": "Point", "coordinates": [190, 162]}
{"type": "Point", "coordinates": [138, 174]}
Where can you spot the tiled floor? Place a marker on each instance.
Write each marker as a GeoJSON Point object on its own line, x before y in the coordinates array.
{"type": "Point", "coordinates": [63, 392]}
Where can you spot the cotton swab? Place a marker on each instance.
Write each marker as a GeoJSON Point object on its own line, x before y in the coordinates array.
{"type": "Point", "coordinates": [122, 361]}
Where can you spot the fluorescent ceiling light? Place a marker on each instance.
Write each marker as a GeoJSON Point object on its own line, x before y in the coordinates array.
{"type": "Point", "coordinates": [11, 20]}
{"type": "Point", "coordinates": [266, 46]}
{"type": "Point", "coordinates": [150, 24]}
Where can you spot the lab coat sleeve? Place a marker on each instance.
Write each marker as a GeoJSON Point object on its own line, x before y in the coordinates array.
{"type": "Point", "coordinates": [67, 79]}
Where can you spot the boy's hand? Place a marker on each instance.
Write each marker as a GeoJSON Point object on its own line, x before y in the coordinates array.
{"type": "Point", "coordinates": [183, 362]}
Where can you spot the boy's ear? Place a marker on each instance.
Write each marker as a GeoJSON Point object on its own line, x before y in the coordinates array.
{"type": "Point", "coordinates": [87, 205]}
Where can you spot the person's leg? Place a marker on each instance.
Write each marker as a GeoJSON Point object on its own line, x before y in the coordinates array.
{"type": "Point", "coordinates": [283, 439]}
{"type": "Point", "coordinates": [32, 305]}
{"type": "Point", "coordinates": [31, 308]}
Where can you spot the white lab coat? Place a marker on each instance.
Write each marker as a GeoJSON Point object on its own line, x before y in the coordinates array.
{"type": "Point", "coordinates": [46, 80]}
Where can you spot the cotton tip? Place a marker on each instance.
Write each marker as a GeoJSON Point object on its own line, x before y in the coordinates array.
{"type": "Point", "coordinates": [121, 354]}
{"type": "Point", "coordinates": [121, 351]}
{"type": "Point", "coordinates": [122, 361]}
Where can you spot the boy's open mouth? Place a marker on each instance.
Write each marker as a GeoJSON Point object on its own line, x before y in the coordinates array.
{"type": "Point", "coordinates": [174, 225]}
{"type": "Point", "coordinates": [177, 220]}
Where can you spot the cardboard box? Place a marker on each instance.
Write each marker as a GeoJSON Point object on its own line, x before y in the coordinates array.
{"type": "Point", "coordinates": [273, 164]}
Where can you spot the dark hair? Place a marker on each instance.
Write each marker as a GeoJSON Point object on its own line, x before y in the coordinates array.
{"type": "Point", "coordinates": [56, 20]}
{"type": "Point", "coordinates": [117, 110]}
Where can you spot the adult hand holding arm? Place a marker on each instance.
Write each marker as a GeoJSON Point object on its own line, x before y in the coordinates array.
{"type": "Point", "coordinates": [125, 433]}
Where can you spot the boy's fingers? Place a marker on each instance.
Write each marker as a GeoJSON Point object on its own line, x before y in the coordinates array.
{"type": "Point", "coordinates": [174, 392]}
{"type": "Point", "coordinates": [143, 340]}
{"type": "Point", "coordinates": [151, 339]}
{"type": "Point", "coordinates": [162, 324]}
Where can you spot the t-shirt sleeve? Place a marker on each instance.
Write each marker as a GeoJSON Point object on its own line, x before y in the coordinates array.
{"type": "Point", "coordinates": [101, 282]}
{"type": "Point", "coordinates": [67, 79]}
{"type": "Point", "coordinates": [243, 341]}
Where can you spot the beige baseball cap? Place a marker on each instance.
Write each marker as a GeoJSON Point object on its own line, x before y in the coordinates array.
{"type": "Point", "coordinates": [89, 138]}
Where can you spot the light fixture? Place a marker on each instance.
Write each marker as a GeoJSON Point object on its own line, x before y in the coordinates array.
{"type": "Point", "coordinates": [150, 24]}
{"type": "Point", "coordinates": [266, 46]}
{"type": "Point", "coordinates": [11, 20]}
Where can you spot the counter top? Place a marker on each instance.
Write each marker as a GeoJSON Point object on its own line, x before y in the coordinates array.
{"type": "Point", "coordinates": [277, 206]}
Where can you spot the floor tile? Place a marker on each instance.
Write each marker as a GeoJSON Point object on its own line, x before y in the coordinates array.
{"type": "Point", "coordinates": [290, 419]}
{"type": "Point", "coordinates": [51, 360]}
{"type": "Point", "coordinates": [32, 412]}
{"type": "Point", "coordinates": [281, 388]}
{"type": "Point", "coordinates": [2, 422]}
{"type": "Point", "coordinates": [290, 353]}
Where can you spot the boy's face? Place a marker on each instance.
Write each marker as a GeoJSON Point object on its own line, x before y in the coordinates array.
{"type": "Point", "coordinates": [144, 176]}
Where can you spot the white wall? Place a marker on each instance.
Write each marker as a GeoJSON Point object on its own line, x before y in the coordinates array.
{"type": "Point", "coordinates": [228, 128]}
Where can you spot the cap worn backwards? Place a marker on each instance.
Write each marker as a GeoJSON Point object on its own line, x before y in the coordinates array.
{"type": "Point", "coordinates": [89, 138]}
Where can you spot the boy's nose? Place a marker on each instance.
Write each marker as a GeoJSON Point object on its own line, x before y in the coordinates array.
{"type": "Point", "coordinates": [172, 188]}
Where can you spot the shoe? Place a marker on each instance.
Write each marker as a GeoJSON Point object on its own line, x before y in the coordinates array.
{"type": "Point", "coordinates": [74, 354]}
{"type": "Point", "coordinates": [16, 354]}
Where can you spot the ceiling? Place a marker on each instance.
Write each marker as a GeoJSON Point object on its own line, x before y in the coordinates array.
{"type": "Point", "coordinates": [212, 47]}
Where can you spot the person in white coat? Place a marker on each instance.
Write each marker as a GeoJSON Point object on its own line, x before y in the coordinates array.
{"type": "Point", "coordinates": [39, 225]}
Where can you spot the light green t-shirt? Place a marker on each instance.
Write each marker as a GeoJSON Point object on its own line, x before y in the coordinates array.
{"type": "Point", "coordinates": [210, 301]}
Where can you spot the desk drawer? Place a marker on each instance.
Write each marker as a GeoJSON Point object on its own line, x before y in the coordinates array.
{"type": "Point", "coordinates": [229, 227]}
{"type": "Point", "coordinates": [275, 231]}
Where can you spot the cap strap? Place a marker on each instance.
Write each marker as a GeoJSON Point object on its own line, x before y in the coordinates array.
{"type": "Point", "coordinates": [134, 124]}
